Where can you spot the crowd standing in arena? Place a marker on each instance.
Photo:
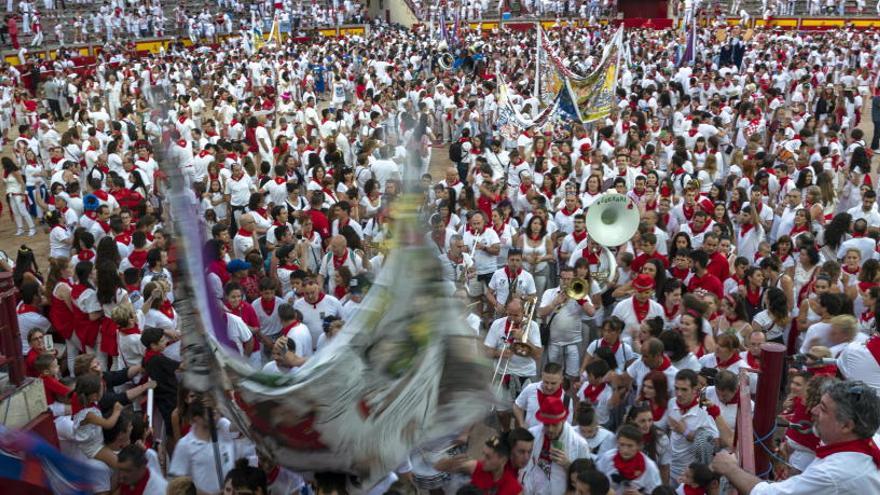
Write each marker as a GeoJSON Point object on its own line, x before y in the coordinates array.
{"type": "Point", "coordinates": [750, 168]}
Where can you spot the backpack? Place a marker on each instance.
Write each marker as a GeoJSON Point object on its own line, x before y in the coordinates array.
{"type": "Point", "coordinates": [455, 155]}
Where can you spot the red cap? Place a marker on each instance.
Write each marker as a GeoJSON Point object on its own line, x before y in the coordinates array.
{"type": "Point", "coordinates": [552, 411]}
{"type": "Point", "coordinates": [643, 282]}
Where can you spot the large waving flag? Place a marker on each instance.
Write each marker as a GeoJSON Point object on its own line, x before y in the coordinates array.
{"type": "Point", "coordinates": [404, 371]}
{"type": "Point", "coordinates": [594, 95]}
{"type": "Point", "coordinates": [26, 457]}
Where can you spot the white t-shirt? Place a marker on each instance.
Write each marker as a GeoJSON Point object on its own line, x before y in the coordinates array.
{"type": "Point", "coordinates": [30, 320]}
{"type": "Point", "coordinates": [528, 402]}
{"type": "Point", "coordinates": [314, 314]}
{"type": "Point", "coordinates": [484, 262]}
{"type": "Point", "coordinates": [303, 338]}
{"type": "Point", "coordinates": [626, 312]}
{"type": "Point", "coordinates": [682, 450]}
{"type": "Point", "coordinates": [639, 370]}
{"type": "Point", "coordinates": [645, 483]}
{"type": "Point", "coordinates": [519, 365]}
{"type": "Point", "coordinates": [523, 283]}
{"type": "Point", "coordinates": [194, 457]}
{"type": "Point", "coordinates": [58, 247]}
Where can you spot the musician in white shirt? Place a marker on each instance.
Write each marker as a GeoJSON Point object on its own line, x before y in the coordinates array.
{"type": "Point", "coordinates": [483, 245]}
{"type": "Point", "coordinates": [510, 281]}
{"type": "Point", "coordinates": [847, 460]}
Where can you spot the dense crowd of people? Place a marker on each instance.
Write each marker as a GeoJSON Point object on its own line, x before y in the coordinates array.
{"type": "Point", "coordinates": [750, 170]}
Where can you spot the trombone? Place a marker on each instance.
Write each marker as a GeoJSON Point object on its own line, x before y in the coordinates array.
{"type": "Point", "coordinates": [518, 346]}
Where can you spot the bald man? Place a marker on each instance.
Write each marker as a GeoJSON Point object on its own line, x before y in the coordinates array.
{"type": "Point", "coordinates": [246, 238]}
{"type": "Point", "coordinates": [338, 255]}
{"type": "Point", "coordinates": [453, 181]}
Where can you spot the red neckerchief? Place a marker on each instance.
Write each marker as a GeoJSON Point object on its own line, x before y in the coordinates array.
{"type": "Point", "coordinates": [578, 238]}
{"type": "Point", "coordinates": [745, 228]}
{"type": "Point", "coordinates": [130, 331]}
{"type": "Point", "coordinates": [567, 213]}
{"type": "Point", "coordinates": [123, 238]}
{"type": "Point", "coordinates": [754, 298]}
{"type": "Point", "coordinates": [613, 348]}
{"type": "Point", "coordinates": [27, 308]}
{"type": "Point", "coordinates": [866, 316]}
{"type": "Point", "coordinates": [693, 490]}
{"type": "Point", "coordinates": [873, 346]}
{"type": "Point", "coordinates": [752, 361]}
{"type": "Point", "coordinates": [167, 309]}
{"type": "Point", "coordinates": [688, 211]}
{"type": "Point", "coordinates": [149, 354]}
{"type": "Point", "coordinates": [734, 400]}
{"type": "Point", "coordinates": [591, 257]}
{"type": "Point", "coordinates": [694, 231]}
{"type": "Point", "coordinates": [138, 258]}
{"type": "Point", "coordinates": [735, 357]}
{"type": "Point", "coordinates": [268, 307]}
{"type": "Point", "coordinates": [523, 188]}
{"type": "Point", "coordinates": [679, 273]}
{"type": "Point", "coordinates": [339, 261]}
{"type": "Point", "coordinates": [862, 446]}
{"type": "Point", "coordinates": [683, 409]}
{"type": "Point", "coordinates": [85, 255]}
{"type": "Point", "coordinates": [591, 392]}
{"type": "Point", "coordinates": [290, 326]}
{"type": "Point", "coordinates": [244, 232]}
{"type": "Point", "coordinates": [851, 271]}
{"type": "Point", "coordinates": [657, 411]}
{"type": "Point", "coordinates": [499, 230]}
{"type": "Point", "coordinates": [339, 291]}
{"type": "Point", "coordinates": [101, 194]}
{"type": "Point", "coordinates": [665, 364]}
{"type": "Point", "coordinates": [641, 310]}
{"type": "Point", "coordinates": [632, 468]}
{"type": "Point", "coordinates": [511, 276]}
{"type": "Point", "coordinates": [317, 301]}
{"type": "Point", "coordinates": [670, 314]}
{"type": "Point", "coordinates": [797, 230]}
{"type": "Point", "coordinates": [272, 475]}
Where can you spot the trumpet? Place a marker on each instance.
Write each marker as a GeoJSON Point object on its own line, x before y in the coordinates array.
{"type": "Point", "coordinates": [578, 289]}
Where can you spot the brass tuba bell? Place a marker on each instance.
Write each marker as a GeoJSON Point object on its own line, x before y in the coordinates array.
{"type": "Point", "coordinates": [611, 221]}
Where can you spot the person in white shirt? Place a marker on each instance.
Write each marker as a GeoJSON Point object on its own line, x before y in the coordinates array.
{"type": "Point", "coordinates": [132, 470]}
{"type": "Point", "coordinates": [847, 460]}
{"type": "Point", "coordinates": [294, 329]}
{"type": "Point", "coordinates": [546, 471]}
{"type": "Point", "coordinates": [686, 418]}
{"type": "Point", "coordinates": [509, 282]}
{"type": "Point", "coordinates": [564, 317]}
{"type": "Point", "coordinates": [859, 240]}
{"type": "Point", "coordinates": [653, 359]}
{"type": "Point", "coordinates": [314, 306]}
{"type": "Point", "coordinates": [194, 454]}
{"type": "Point", "coordinates": [338, 255]}
{"type": "Point", "coordinates": [483, 245]}
{"type": "Point", "coordinates": [528, 402]}
{"type": "Point", "coordinates": [867, 210]}
{"type": "Point", "coordinates": [245, 238]}
{"type": "Point", "coordinates": [504, 341]}
{"type": "Point", "coordinates": [627, 466]}
{"type": "Point", "coordinates": [633, 310]}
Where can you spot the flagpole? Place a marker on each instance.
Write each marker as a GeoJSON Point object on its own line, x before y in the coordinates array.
{"type": "Point", "coordinates": [536, 92]}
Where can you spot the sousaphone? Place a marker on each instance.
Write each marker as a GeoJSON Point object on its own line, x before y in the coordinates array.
{"type": "Point", "coordinates": [611, 221]}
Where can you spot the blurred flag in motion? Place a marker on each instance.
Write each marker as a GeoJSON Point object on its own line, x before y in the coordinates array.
{"type": "Point", "coordinates": [26, 457]}
{"type": "Point", "coordinates": [404, 371]}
